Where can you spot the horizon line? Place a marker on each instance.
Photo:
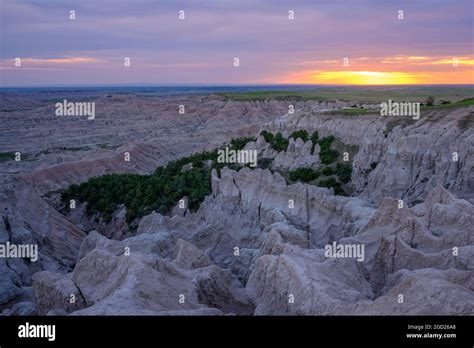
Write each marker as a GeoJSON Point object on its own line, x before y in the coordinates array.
{"type": "Point", "coordinates": [228, 85]}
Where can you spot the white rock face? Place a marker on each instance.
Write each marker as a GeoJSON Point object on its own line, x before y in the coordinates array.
{"type": "Point", "coordinates": [108, 280]}
{"type": "Point", "coordinates": [298, 154]}
{"type": "Point", "coordinates": [403, 255]}
{"type": "Point", "coordinates": [29, 220]}
{"type": "Point", "coordinates": [281, 267]}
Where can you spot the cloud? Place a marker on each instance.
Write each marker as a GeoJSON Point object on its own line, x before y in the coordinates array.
{"type": "Point", "coordinates": [200, 48]}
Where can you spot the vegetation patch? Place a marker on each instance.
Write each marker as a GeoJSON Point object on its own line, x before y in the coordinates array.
{"type": "Point", "coordinates": [360, 94]}
{"type": "Point", "coordinates": [430, 104]}
{"type": "Point", "coordinates": [10, 156]}
{"type": "Point", "coordinates": [7, 156]}
{"type": "Point", "coordinates": [304, 175]}
{"type": "Point", "coordinates": [344, 172]}
{"type": "Point", "coordinates": [190, 177]}
{"type": "Point", "coordinates": [161, 191]}
{"type": "Point", "coordinates": [327, 154]}
{"type": "Point", "coordinates": [353, 111]}
{"type": "Point", "coordinates": [277, 142]}
{"type": "Point", "coordinates": [303, 134]}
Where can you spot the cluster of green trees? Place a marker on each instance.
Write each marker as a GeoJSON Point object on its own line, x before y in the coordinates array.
{"type": "Point", "coordinates": [161, 191]}
{"type": "Point", "coordinates": [268, 136]}
{"type": "Point", "coordinates": [344, 172]}
{"type": "Point", "coordinates": [142, 194]}
{"type": "Point", "coordinates": [327, 171]}
{"type": "Point", "coordinates": [304, 174]}
{"type": "Point", "coordinates": [277, 141]}
{"type": "Point", "coordinates": [303, 134]}
{"type": "Point", "coordinates": [327, 155]}
{"type": "Point", "coordinates": [309, 174]}
{"type": "Point", "coordinates": [240, 143]}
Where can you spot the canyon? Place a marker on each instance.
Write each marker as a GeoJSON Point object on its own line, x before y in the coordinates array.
{"type": "Point", "coordinates": [245, 250]}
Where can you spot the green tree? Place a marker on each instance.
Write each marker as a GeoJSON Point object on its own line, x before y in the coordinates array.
{"type": "Point", "coordinates": [268, 136]}
{"type": "Point", "coordinates": [303, 174]}
{"type": "Point", "coordinates": [279, 143]}
{"type": "Point", "coordinates": [303, 134]}
{"type": "Point", "coordinates": [327, 171]}
{"type": "Point", "coordinates": [344, 172]}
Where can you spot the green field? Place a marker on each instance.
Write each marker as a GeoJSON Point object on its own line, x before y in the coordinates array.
{"type": "Point", "coordinates": [359, 111]}
{"type": "Point", "coordinates": [371, 94]}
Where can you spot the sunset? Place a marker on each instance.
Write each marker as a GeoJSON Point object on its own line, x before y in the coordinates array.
{"type": "Point", "coordinates": [388, 70]}
{"type": "Point", "coordinates": [288, 42]}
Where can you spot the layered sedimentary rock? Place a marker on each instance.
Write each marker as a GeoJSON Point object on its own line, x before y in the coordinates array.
{"type": "Point", "coordinates": [279, 261]}
{"type": "Point", "coordinates": [299, 154]}
{"type": "Point", "coordinates": [29, 220]}
{"type": "Point", "coordinates": [256, 245]}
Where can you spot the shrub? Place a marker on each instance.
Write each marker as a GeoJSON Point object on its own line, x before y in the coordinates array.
{"type": "Point", "coordinates": [239, 144]}
{"type": "Point", "coordinates": [304, 174]}
{"type": "Point", "coordinates": [303, 134]}
{"type": "Point", "coordinates": [327, 171]}
{"type": "Point", "coordinates": [315, 137]}
{"type": "Point", "coordinates": [7, 156]}
{"type": "Point", "coordinates": [268, 136]}
{"type": "Point", "coordinates": [344, 172]}
{"type": "Point", "coordinates": [329, 182]}
{"type": "Point", "coordinates": [279, 143]}
{"type": "Point", "coordinates": [327, 155]}
{"type": "Point", "coordinates": [325, 143]}
{"type": "Point", "coordinates": [430, 101]}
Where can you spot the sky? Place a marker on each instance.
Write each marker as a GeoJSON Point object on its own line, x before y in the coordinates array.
{"type": "Point", "coordinates": [327, 42]}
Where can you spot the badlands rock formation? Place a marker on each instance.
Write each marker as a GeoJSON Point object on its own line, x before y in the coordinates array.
{"type": "Point", "coordinates": [409, 251]}
{"type": "Point", "coordinates": [256, 245]}
{"type": "Point", "coordinates": [400, 158]}
{"type": "Point", "coordinates": [299, 154]}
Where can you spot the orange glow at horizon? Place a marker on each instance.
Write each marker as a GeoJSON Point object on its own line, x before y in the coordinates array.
{"type": "Point", "coordinates": [365, 78]}
{"type": "Point", "coordinates": [397, 70]}
{"type": "Point", "coordinates": [379, 78]}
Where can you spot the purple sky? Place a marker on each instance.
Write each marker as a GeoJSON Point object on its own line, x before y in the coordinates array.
{"type": "Point", "coordinates": [201, 48]}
